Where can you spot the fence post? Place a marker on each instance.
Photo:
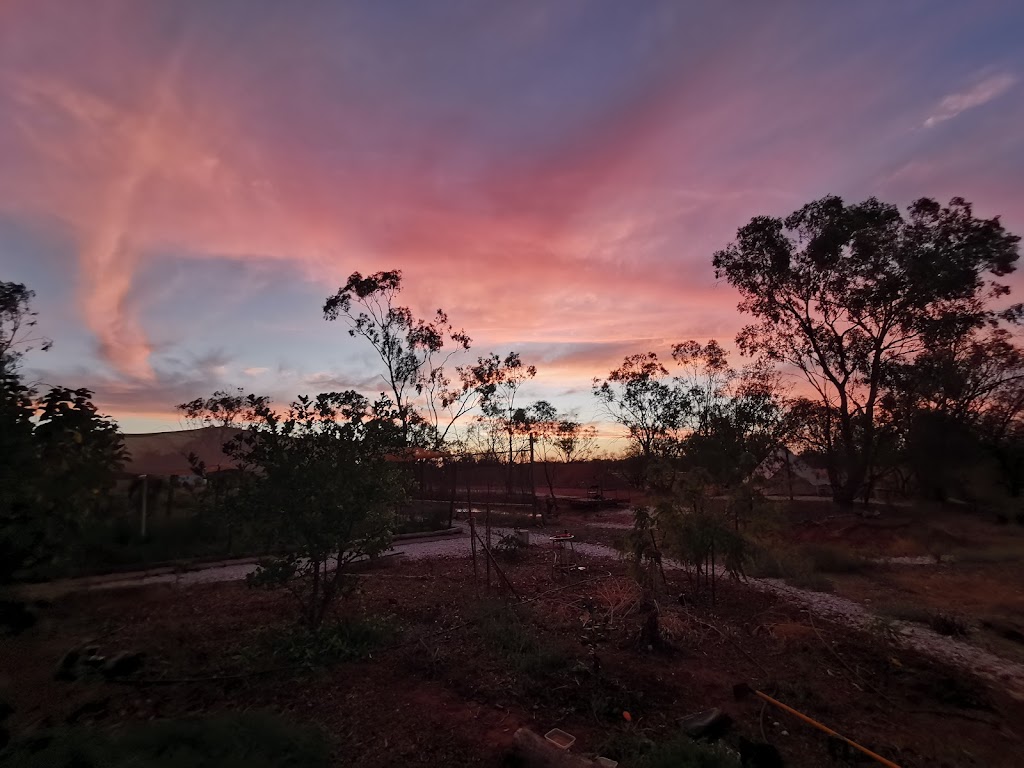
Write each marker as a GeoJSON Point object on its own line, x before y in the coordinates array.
{"type": "Point", "coordinates": [533, 482]}
{"type": "Point", "coordinates": [145, 499]}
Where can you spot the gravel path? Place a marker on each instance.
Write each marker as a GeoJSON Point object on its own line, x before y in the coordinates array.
{"type": "Point", "coordinates": [1006, 674]}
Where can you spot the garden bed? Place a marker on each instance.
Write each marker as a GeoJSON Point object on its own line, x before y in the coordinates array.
{"type": "Point", "coordinates": [456, 673]}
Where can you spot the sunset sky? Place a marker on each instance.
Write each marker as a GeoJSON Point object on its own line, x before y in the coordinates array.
{"type": "Point", "coordinates": [184, 182]}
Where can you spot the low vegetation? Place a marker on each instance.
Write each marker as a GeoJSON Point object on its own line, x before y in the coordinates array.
{"type": "Point", "coordinates": [246, 740]}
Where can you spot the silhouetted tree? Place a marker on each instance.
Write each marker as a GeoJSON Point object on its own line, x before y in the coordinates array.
{"type": "Point", "coordinates": [737, 418]}
{"type": "Point", "coordinates": [845, 292]}
{"type": "Point", "coordinates": [498, 382]}
{"type": "Point", "coordinates": [317, 483]}
{"type": "Point", "coordinates": [641, 396]}
{"type": "Point", "coordinates": [17, 321]}
{"type": "Point", "coordinates": [58, 456]}
{"type": "Point", "coordinates": [957, 404]}
{"type": "Point", "coordinates": [222, 409]}
{"type": "Point", "coordinates": [414, 351]}
{"type": "Point", "coordinates": [59, 460]}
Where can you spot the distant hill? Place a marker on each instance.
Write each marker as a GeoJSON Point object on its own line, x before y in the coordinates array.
{"type": "Point", "coordinates": [166, 453]}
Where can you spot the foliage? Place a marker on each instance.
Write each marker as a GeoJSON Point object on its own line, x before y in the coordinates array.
{"type": "Point", "coordinates": [804, 567]}
{"type": "Point", "coordinates": [317, 483]}
{"type": "Point", "coordinates": [809, 580]}
{"type": "Point", "coordinates": [332, 643]}
{"type": "Point", "coordinates": [737, 419]}
{"type": "Point", "coordinates": [245, 740]}
{"type": "Point", "coordinates": [556, 437]}
{"type": "Point", "coordinates": [509, 546]}
{"type": "Point", "coordinates": [59, 457]}
{"type": "Point", "coordinates": [642, 397]}
{"type": "Point", "coordinates": [59, 460]}
{"type": "Point", "coordinates": [499, 381]}
{"type": "Point", "coordinates": [824, 558]}
{"type": "Point", "coordinates": [222, 408]}
{"type": "Point", "coordinates": [719, 420]}
{"type": "Point", "coordinates": [681, 751]}
{"type": "Point", "coordinates": [17, 321]}
{"type": "Point", "coordinates": [846, 293]}
{"type": "Point", "coordinates": [413, 351]}
{"type": "Point", "coordinates": [641, 548]}
{"type": "Point", "coordinates": [505, 631]}
{"type": "Point", "coordinates": [942, 623]}
{"type": "Point", "coordinates": [704, 540]}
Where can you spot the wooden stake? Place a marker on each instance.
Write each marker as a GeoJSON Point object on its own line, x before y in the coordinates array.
{"type": "Point", "coordinates": [472, 541]}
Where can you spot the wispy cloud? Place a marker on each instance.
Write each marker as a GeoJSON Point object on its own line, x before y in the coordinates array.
{"type": "Point", "coordinates": [981, 93]}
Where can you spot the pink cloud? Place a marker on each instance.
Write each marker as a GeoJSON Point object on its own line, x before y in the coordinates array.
{"type": "Point", "coordinates": [977, 95]}
{"type": "Point", "coordinates": [604, 234]}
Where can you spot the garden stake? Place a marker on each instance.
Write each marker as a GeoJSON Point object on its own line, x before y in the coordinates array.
{"type": "Point", "coordinates": [741, 690]}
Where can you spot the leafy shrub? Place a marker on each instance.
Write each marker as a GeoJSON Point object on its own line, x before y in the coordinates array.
{"type": "Point", "coordinates": [949, 625]}
{"type": "Point", "coordinates": [768, 563]}
{"type": "Point", "coordinates": [905, 612]}
{"type": "Point", "coordinates": [509, 546]}
{"type": "Point", "coordinates": [348, 640]}
{"type": "Point", "coordinates": [829, 559]}
{"type": "Point", "coordinates": [246, 740]}
{"type": "Point", "coordinates": [942, 623]}
{"type": "Point", "coordinates": [678, 752]}
{"type": "Point", "coordinates": [504, 630]}
{"type": "Point", "coordinates": [814, 582]}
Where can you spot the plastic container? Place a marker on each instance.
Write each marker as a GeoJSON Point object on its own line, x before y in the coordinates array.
{"type": "Point", "coordinates": [560, 738]}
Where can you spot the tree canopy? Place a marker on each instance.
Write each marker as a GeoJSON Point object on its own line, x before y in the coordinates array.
{"type": "Point", "coordinates": [414, 352]}
{"type": "Point", "coordinates": [846, 292]}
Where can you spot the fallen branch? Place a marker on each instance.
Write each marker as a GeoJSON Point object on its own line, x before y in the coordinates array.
{"type": "Point", "coordinates": [738, 647]}
{"type": "Point", "coordinates": [842, 661]}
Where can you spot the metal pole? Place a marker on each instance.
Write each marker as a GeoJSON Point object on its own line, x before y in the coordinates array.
{"type": "Point", "coordinates": [145, 498]}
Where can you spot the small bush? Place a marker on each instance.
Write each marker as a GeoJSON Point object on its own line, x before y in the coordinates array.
{"type": "Point", "coordinates": [767, 563]}
{"type": "Point", "coordinates": [942, 623]}
{"type": "Point", "coordinates": [997, 554]}
{"type": "Point", "coordinates": [679, 752]}
{"type": "Point", "coordinates": [828, 559]}
{"type": "Point", "coordinates": [247, 740]}
{"type": "Point", "coordinates": [815, 582]}
{"type": "Point", "coordinates": [328, 644]}
{"type": "Point", "coordinates": [509, 547]}
{"type": "Point", "coordinates": [949, 625]}
{"type": "Point", "coordinates": [905, 612]}
{"type": "Point", "coordinates": [505, 631]}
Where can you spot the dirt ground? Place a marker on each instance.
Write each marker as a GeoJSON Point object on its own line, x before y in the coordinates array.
{"type": "Point", "coordinates": [461, 672]}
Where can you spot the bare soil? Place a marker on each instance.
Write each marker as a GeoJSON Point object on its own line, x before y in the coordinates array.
{"type": "Point", "coordinates": [460, 676]}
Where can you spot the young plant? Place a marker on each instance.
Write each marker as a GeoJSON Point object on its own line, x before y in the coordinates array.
{"type": "Point", "coordinates": [317, 482]}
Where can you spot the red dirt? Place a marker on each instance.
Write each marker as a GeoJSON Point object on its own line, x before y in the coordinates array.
{"type": "Point", "coordinates": [444, 694]}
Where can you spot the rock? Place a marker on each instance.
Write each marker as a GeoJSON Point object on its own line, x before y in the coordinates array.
{"type": "Point", "coordinates": [709, 722]}
{"type": "Point", "coordinates": [91, 657]}
{"type": "Point", "coordinates": [67, 667]}
{"type": "Point", "coordinates": [89, 708]}
{"type": "Point", "coordinates": [123, 664]}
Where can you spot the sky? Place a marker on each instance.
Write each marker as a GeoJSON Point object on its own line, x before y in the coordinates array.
{"type": "Point", "coordinates": [183, 183]}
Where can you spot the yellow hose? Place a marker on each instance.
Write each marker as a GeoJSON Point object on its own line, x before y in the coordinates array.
{"type": "Point", "coordinates": [825, 729]}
